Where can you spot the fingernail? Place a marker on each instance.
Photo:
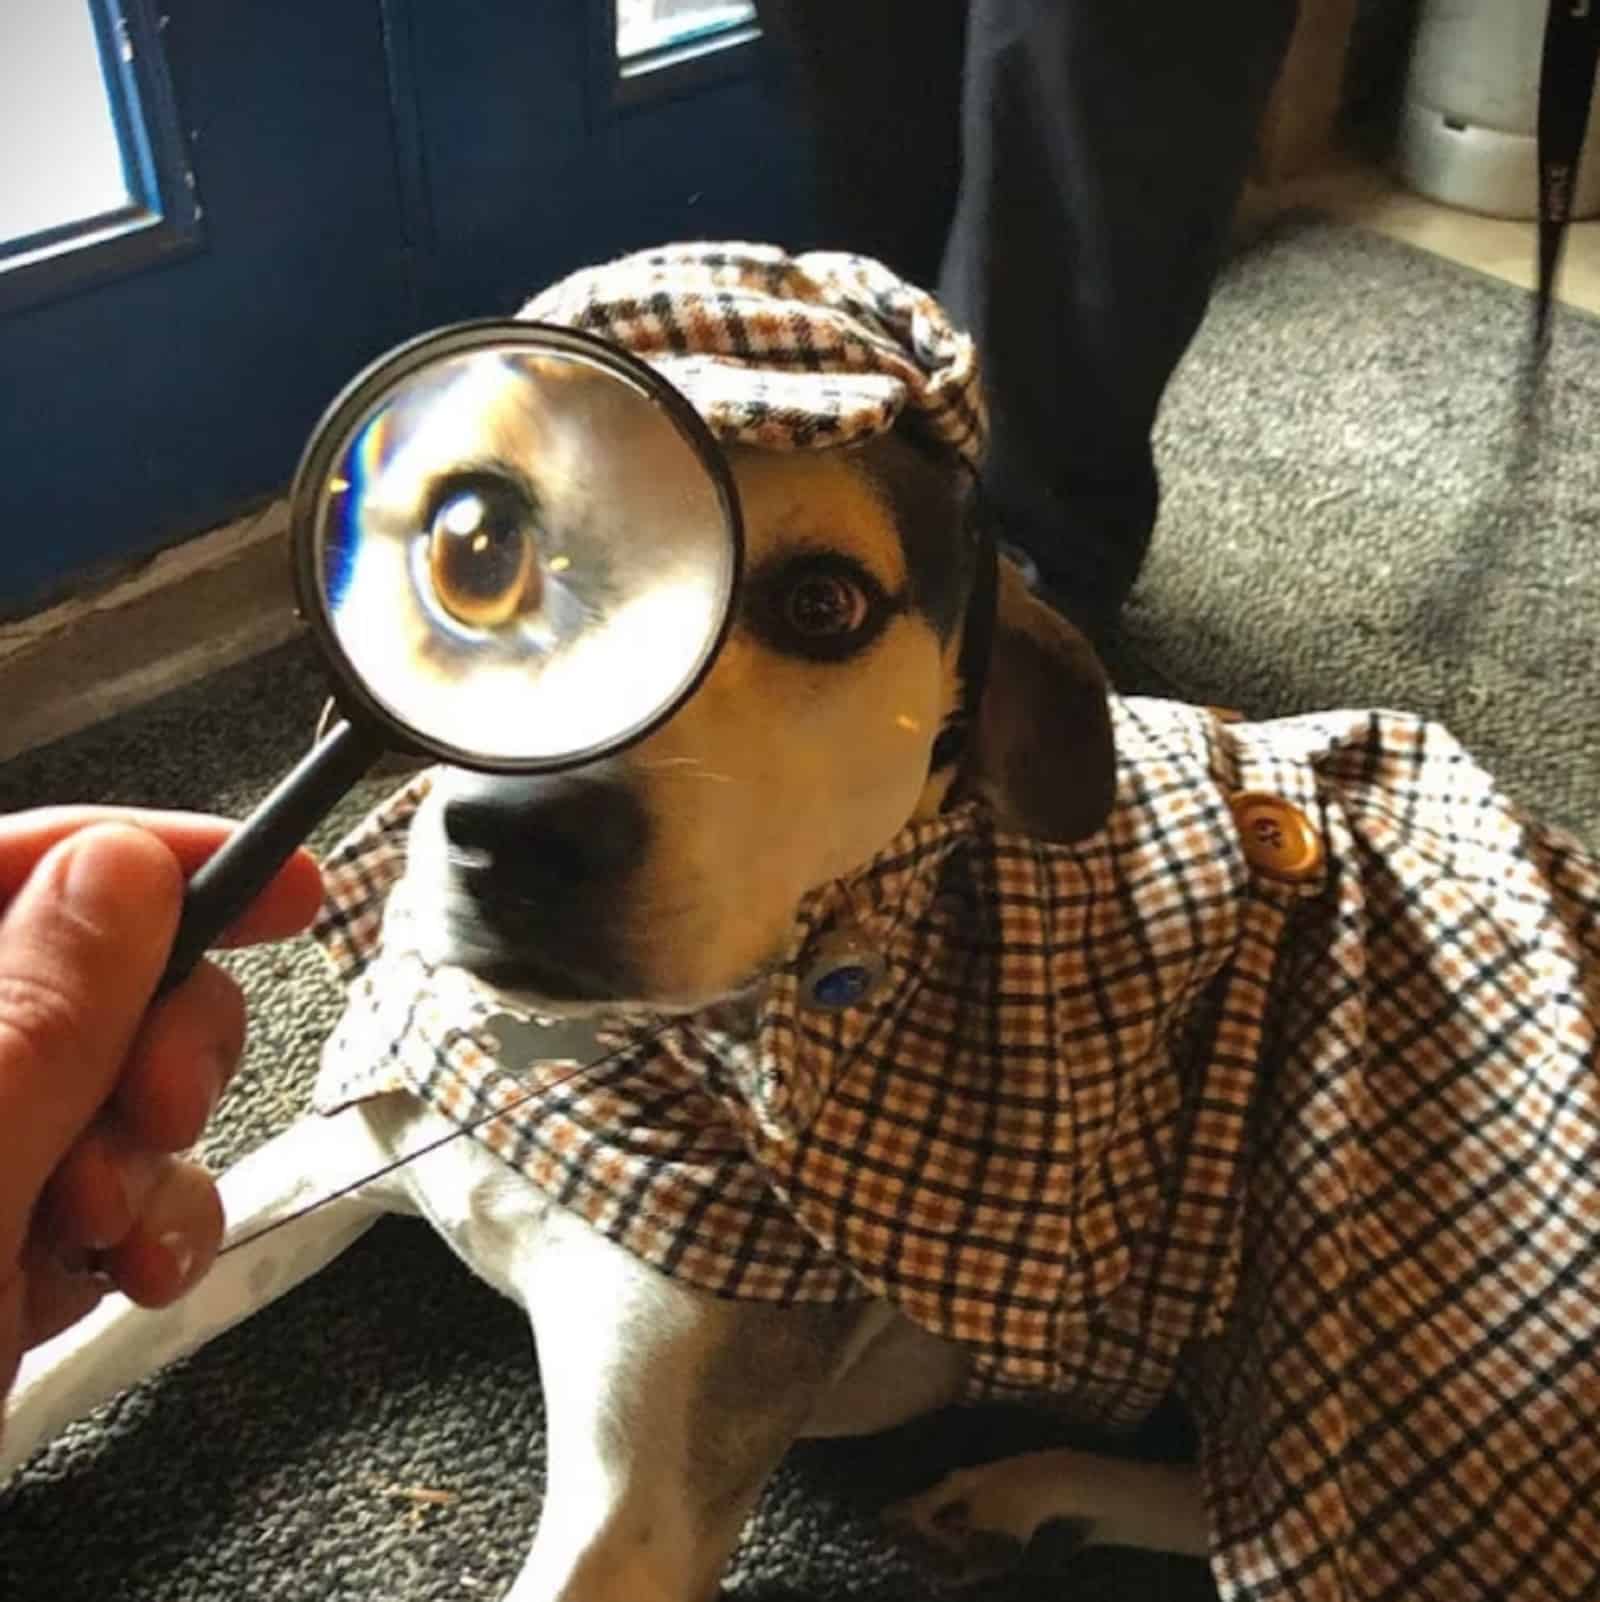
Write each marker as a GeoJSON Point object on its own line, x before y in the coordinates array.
{"type": "Point", "coordinates": [138, 1172]}
{"type": "Point", "coordinates": [181, 1252]}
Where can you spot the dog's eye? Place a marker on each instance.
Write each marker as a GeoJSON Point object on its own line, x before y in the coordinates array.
{"type": "Point", "coordinates": [821, 605]}
{"type": "Point", "coordinates": [825, 606]}
{"type": "Point", "coordinates": [483, 560]}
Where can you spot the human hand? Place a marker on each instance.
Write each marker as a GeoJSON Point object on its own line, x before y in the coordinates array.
{"type": "Point", "coordinates": [98, 1086]}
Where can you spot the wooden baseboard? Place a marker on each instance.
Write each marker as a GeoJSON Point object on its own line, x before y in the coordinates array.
{"type": "Point", "coordinates": [203, 606]}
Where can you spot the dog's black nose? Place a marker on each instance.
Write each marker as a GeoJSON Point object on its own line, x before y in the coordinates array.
{"type": "Point", "coordinates": [547, 831]}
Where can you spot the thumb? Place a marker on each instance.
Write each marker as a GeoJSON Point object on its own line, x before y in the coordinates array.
{"type": "Point", "coordinates": [81, 950]}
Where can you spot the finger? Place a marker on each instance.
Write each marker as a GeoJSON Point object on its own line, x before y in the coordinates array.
{"type": "Point", "coordinates": [81, 949]}
{"type": "Point", "coordinates": [285, 907]}
{"type": "Point", "coordinates": [182, 1060]}
{"type": "Point", "coordinates": [292, 898]}
{"type": "Point", "coordinates": [175, 1240]}
{"type": "Point", "coordinates": [183, 1057]}
{"type": "Point", "coordinates": [97, 1192]}
{"type": "Point", "coordinates": [56, 1294]}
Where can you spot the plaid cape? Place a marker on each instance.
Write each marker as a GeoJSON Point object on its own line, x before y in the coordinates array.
{"type": "Point", "coordinates": [1129, 1115]}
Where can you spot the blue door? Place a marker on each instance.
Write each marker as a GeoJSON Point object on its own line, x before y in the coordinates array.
{"type": "Point", "coordinates": [212, 215]}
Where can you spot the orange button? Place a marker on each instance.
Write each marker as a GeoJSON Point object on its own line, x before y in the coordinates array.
{"type": "Point", "coordinates": [1277, 837]}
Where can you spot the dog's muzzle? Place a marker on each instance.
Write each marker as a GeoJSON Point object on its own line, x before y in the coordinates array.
{"type": "Point", "coordinates": [534, 876]}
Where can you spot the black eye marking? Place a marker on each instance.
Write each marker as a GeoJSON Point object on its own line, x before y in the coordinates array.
{"type": "Point", "coordinates": [482, 529]}
{"type": "Point", "coordinates": [823, 606]}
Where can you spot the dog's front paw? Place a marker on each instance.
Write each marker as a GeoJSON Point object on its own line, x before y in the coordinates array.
{"type": "Point", "coordinates": [980, 1522]}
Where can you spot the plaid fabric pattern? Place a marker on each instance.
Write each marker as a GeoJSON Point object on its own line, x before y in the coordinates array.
{"type": "Point", "coordinates": [636, 1144]}
{"type": "Point", "coordinates": [1129, 1115]}
{"type": "Point", "coordinates": [1405, 1400]}
{"type": "Point", "coordinates": [784, 352]}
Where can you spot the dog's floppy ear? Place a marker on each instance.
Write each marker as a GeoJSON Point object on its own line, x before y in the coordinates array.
{"type": "Point", "coordinates": [1042, 756]}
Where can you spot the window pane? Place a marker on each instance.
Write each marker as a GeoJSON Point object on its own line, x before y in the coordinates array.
{"type": "Point", "coordinates": [62, 160]}
{"type": "Point", "coordinates": [647, 25]}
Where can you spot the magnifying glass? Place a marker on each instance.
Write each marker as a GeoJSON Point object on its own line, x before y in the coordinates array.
{"type": "Point", "coordinates": [517, 548]}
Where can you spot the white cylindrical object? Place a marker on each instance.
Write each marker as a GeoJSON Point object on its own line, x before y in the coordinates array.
{"type": "Point", "coordinates": [1469, 125]}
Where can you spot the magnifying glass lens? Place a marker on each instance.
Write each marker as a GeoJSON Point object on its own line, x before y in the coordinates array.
{"type": "Point", "coordinates": [517, 547]}
{"type": "Point", "coordinates": [518, 554]}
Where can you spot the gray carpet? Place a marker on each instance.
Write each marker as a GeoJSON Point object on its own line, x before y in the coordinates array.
{"type": "Point", "coordinates": [1347, 521]}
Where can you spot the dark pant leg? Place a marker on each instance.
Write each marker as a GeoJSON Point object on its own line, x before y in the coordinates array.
{"type": "Point", "coordinates": [879, 85]}
{"type": "Point", "coordinates": [1104, 148]}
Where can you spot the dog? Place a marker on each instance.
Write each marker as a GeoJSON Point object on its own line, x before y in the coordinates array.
{"type": "Point", "coordinates": [897, 753]}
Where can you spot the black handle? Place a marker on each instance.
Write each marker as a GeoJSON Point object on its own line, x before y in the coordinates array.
{"type": "Point", "coordinates": [1566, 89]}
{"type": "Point", "coordinates": [224, 885]}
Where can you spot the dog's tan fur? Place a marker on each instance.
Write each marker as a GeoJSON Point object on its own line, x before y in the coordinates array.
{"type": "Point", "coordinates": [781, 773]}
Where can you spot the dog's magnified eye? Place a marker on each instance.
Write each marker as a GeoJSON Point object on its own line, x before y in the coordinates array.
{"type": "Point", "coordinates": [825, 606]}
{"type": "Point", "coordinates": [483, 558]}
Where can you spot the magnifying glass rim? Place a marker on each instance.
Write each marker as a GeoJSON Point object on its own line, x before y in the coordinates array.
{"type": "Point", "coordinates": [354, 407]}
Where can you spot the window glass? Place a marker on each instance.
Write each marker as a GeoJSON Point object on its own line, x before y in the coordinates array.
{"type": "Point", "coordinates": [63, 162]}
{"type": "Point", "coordinates": [646, 26]}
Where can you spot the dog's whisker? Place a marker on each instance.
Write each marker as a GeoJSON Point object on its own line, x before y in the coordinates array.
{"type": "Point", "coordinates": [685, 768]}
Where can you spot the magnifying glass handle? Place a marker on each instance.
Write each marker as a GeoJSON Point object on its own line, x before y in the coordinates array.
{"type": "Point", "coordinates": [224, 885]}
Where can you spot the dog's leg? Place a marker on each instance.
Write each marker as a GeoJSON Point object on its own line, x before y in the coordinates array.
{"type": "Point", "coordinates": [118, 1344]}
{"type": "Point", "coordinates": [979, 1521]}
{"type": "Point", "coordinates": [667, 1411]}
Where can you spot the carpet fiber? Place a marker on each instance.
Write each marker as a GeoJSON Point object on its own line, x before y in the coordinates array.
{"type": "Point", "coordinates": [1349, 518]}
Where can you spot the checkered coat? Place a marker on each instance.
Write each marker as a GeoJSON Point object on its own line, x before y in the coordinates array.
{"type": "Point", "coordinates": [1132, 1116]}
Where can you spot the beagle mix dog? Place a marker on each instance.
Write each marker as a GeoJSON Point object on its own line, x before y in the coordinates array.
{"type": "Point", "coordinates": [1303, 1114]}
{"type": "Point", "coordinates": [662, 878]}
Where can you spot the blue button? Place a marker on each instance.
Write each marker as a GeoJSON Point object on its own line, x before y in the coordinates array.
{"type": "Point", "coordinates": [841, 987]}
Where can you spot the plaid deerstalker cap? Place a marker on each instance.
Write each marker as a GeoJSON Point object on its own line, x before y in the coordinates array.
{"type": "Point", "coordinates": [784, 352]}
